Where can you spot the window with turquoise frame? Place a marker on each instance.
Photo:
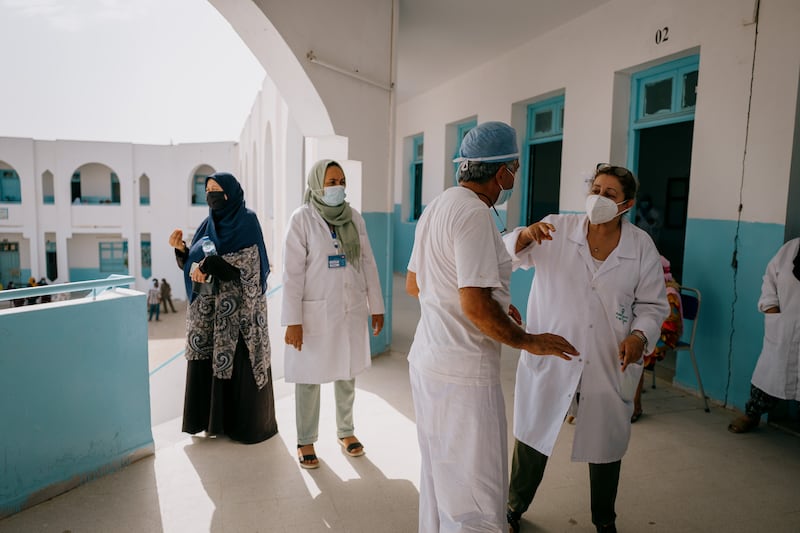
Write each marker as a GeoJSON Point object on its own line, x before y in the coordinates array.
{"type": "Point", "coordinates": [10, 192]}
{"type": "Point", "coordinates": [113, 257]}
{"type": "Point", "coordinates": [115, 197]}
{"type": "Point", "coordinates": [199, 189]}
{"type": "Point", "coordinates": [461, 130]}
{"type": "Point", "coordinates": [146, 265]}
{"type": "Point", "coordinates": [415, 174]}
{"type": "Point", "coordinates": [48, 191]}
{"type": "Point", "coordinates": [667, 92]}
{"type": "Point", "coordinates": [541, 159]}
{"type": "Point", "coordinates": [51, 260]}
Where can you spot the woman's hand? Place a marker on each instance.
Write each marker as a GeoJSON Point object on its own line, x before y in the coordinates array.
{"type": "Point", "coordinates": [377, 324]}
{"type": "Point", "coordinates": [515, 315]}
{"type": "Point", "coordinates": [176, 240]}
{"type": "Point", "coordinates": [538, 231]}
{"type": "Point", "coordinates": [197, 275]}
{"type": "Point", "coordinates": [630, 350]}
{"type": "Point", "coordinates": [294, 335]}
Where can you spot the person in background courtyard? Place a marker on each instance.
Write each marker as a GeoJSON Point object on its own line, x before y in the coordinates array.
{"type": "Point", "coordinates": [32, 299]}
{"type": "Point", "coordinates": [154, 301]}
{"type": "Point", "coordinates": [44, 298]}
{"type": "Point", "coordinates": [461, 273]}
{"type": "Point", "coordinates": [599, 283]}
{"type": "Point", "coordinates": [228, 372]}
{"type": "Point", "coordinates": [331, 292]}
{"type": "Point", "coordinates": [777, 373]}
{"type": "Point", "coordinates": [166, 295]}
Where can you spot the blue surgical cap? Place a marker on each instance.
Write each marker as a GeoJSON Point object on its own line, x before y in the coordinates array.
{"type": "Point", "coordinates": [490, 142]}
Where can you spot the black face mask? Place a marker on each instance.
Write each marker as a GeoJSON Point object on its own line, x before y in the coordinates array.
{"type": "Point", "coordinates": [215, 199]}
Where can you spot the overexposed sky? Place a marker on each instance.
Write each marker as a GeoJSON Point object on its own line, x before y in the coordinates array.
{"type": "Point", "coordinates": [142, 71]}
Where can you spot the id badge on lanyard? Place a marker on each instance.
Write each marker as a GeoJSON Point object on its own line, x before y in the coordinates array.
{"type": "Point", "coordinates": [336, 260]}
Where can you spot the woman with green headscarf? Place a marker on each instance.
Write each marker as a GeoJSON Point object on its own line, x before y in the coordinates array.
{"type": "Point", "coordinates": [330, 289]}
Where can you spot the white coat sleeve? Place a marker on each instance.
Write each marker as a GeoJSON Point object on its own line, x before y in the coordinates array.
{"type": "Point", "coordinates": [370, 270]}
{"type": "Point", "coordinates": [294, 270]}
{"type": "Point", "coordinates": [523, 259]}
{"type": "Point", "coordinates": [650, 304]}
{"type": "Point", "coordinates": [769, 286]}
{"type": "Point", "coordinates": [526, 258]}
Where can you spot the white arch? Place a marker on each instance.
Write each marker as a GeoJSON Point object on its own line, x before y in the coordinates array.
{"type": "Point", "coordinates": [274, 54]}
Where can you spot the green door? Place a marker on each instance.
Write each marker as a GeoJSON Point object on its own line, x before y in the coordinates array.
{"type": "Point", "coordinates": [9, 263]}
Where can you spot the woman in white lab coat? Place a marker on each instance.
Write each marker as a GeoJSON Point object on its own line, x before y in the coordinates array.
{"type": "Point", "coordinates": [330, 288]}
{"type": "Point", "coordinates": [777, 373]}
{"type": "Point", "coordinates": [599, 283]}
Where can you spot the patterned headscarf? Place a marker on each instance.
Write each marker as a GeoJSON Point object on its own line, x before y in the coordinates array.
{"type": "Point", "coordinates": [340, 216]}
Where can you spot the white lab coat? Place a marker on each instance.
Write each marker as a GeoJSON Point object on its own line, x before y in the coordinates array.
{"type": "Point", "coordinates": [332, 304]}
{"type": "Point", "coordinates": [778, 369]}
{"type": "Point", "coordinates": [594, 309]}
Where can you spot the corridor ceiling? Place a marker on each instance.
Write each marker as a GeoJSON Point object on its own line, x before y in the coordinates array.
{"type": "Point", "coordinates": [440, 39]}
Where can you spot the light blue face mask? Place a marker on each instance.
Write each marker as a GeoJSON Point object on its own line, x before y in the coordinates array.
{"type": "Point", "coordinates": [333, 196]}
{"type": "Point", "coordinates": [505, 194]}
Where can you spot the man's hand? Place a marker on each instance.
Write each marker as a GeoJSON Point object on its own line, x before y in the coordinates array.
{"type": "Point", "coordinates": [294, 336]}
{"type": "Point", "coordinates": [377, 324]}
{"type": "Point", "coordinates": [411, 284]}
{"type": "Point", "coordinates": [487, 315]}
{"type": "Point", "coordinates": [550, 344]}
{"type": "Point", "coordinates": [515, 315]}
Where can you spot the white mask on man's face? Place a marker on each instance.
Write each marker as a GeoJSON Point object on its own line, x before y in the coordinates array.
{"type": "Point", "coordinates": [601, 209]}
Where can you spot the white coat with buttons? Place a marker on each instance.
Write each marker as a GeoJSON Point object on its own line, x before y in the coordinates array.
{"type": "Point", "coordinates": [332, 304]}
{"type": "Point", "coordinates": [778, 369]}
{"type": "Point", "coordinates": [594, 308]}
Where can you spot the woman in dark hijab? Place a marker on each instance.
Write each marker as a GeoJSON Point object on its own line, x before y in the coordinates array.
{"type": "Point", "coordinates": [228, 376]}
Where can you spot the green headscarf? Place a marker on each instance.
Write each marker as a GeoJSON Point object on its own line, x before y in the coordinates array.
{"type": "Point", "coordinates": [339, 216]}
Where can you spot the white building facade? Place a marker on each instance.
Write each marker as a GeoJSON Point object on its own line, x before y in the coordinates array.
{"type": "Point", "coordinates": [85, 210]}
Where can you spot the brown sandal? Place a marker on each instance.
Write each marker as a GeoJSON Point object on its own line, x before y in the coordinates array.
{"type": "Point", "coordinates": [310, 461]}
{"type": "Point", "coordinates": [354, 449]}
{"type": "Point", "coordinates": [743, 424]}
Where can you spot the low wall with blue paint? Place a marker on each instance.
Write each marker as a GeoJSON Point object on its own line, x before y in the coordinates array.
{"type": "Point", "coordinates": [379, 229]}
{"type": "Point", "coordinates": [76, 394]}
{"type": "Point", "coordinates": [86, 274]}
{"type": "Point", "coordinates": [730, 328]}
{"type": "Point", "coordinates": [403, 233]}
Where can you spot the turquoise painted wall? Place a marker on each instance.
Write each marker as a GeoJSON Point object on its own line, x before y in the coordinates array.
{"type": "Point", "coordinates": [86, 274]}
{"type": "Point", "coordinates": [731, 328]}
{"type": "Point", "coordinates": [75, 377]}
{"type": "Point", "coordinates": [379, 229]}
{"type": "Point", "coordinates": [24, 276]}
{"type": "Point", "coordinates": [403, 233]}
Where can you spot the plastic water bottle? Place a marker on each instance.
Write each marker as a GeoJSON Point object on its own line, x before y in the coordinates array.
{"type": "Point", "coordinates": [208, 246]}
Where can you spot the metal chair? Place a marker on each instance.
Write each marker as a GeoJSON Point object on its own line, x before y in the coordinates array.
{"type": "Point", "coordinates": [690, 304]}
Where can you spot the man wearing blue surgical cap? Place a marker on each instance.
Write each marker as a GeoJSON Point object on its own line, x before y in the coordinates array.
{"type": "Point", "coordinates": [460, 271]}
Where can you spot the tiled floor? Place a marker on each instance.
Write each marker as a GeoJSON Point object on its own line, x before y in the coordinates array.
{"type": "Point", "coordinates": [684, 472]}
